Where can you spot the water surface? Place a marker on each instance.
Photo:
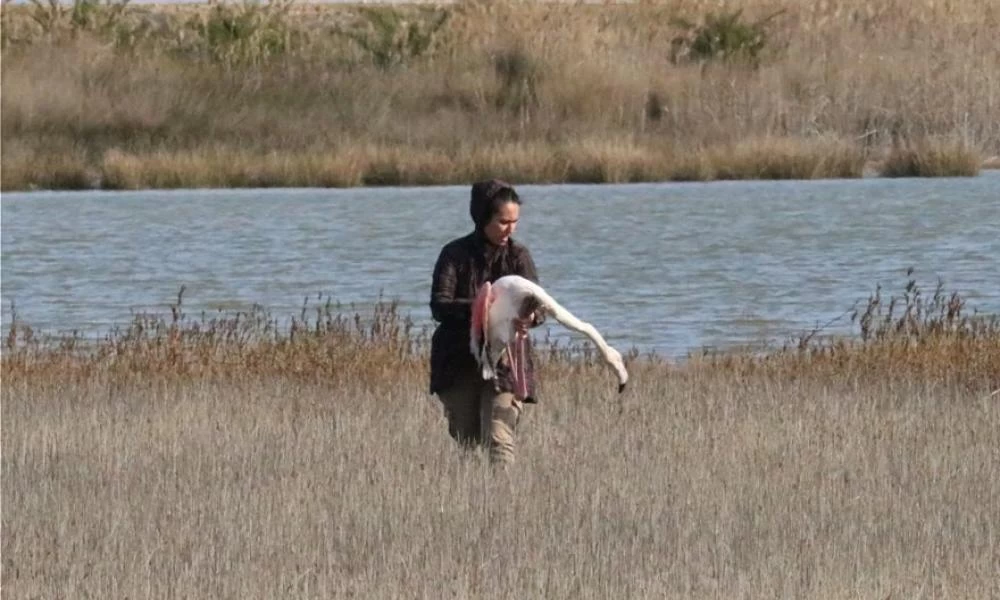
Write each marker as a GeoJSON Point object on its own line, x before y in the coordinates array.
{"type": "Point", "coordinates": [665, 267]}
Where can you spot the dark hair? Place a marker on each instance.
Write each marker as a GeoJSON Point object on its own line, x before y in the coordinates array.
{"type": "Point", "coordinates": [487, 198]}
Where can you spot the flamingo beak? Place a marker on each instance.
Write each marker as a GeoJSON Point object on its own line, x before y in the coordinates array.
{"type": "Point", "coordinates": [621, 387]}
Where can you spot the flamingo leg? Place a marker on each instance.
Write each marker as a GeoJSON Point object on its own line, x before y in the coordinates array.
{"type": "Point", "coordinates": [512, 363]}
{"type": "Point", "coordinates": [516, 351]}
{"type": "Point", "coordinates": [522, 363]}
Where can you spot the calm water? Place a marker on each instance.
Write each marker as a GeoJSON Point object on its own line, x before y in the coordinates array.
{"type": "Point", "coordinates": [665, 267]}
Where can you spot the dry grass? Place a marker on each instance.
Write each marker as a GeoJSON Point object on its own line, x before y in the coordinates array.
{"type": "Point", "coordinates": [704, 488]}
{"type": "Point", "coordinates": [237, 458]}
{"type": "Point", "coordinates": [932, 158]}
{"type": "Point", "coordinates": [589, 92]}
{"type": "Point", "coordinates": [588, 161]}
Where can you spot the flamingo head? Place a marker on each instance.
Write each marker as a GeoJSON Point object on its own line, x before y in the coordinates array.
{"type": "Point", "coordinates": [617, 363]}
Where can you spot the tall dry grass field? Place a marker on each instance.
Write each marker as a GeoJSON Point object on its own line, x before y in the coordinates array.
{"type": "Point", "coordinates": [333, 95]}
{"type": "Point", "coordinates": [193, 461]}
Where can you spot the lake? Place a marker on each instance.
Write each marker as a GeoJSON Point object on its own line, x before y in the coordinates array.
{"type": "Point", "coordinates": [672, 267]}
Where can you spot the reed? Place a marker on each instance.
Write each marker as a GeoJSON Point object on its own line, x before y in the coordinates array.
{"type": "Point", "coordinates": [912, 335]}
{"type": "Point", "coordinates": [242, 455]}
{"type": "Point", "coordinates": [932, 158]}
{"type": "Point", "coordinates": [617, 92]}
{"type": "Point", "coordinates": [785, 158]}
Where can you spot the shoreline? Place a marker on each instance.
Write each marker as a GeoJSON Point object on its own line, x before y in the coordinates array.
{"type": "Point", "coordinates": [137, 174]}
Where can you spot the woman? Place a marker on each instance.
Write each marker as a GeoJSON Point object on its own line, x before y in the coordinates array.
{"type": "Point", "coordinates": [479, 412]}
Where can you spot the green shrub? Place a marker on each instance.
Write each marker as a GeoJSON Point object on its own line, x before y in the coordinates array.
{"type": "Point", "coordinates": [518, 73]}
{"type": "Point", "coordinates": [55, 18]}
{"type": "Point", "coordinates": [724, 37]}
{"type": "Point", "coordinates": [390, 40]}
{"type": "Point", "coordinates": [246, 34]}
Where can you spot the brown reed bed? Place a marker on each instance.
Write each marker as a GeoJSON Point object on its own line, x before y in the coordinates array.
{"type": "Point", "coordinates": [235, 456]}
{"type": "Point", "coordinates": [932, 158]}
{"type": "Point", "coordinates": [590, 161]}
{"type": "Point", "coordinates": [111, 95]}
{"type": "Point", "coordinates": [912, 335]}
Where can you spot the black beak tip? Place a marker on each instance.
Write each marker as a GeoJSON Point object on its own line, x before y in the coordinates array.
{"type": "Point", "coordinates": [621, 387]}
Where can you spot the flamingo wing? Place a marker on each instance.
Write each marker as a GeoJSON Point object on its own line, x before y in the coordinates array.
{"type": "Point", "coordinates": [479, 338]}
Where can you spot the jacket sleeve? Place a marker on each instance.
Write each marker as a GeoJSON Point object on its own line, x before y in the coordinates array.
{"type": "Point", "coordinates": [444, 305]}
{"type": "Point", "coordinates": [526, 268]}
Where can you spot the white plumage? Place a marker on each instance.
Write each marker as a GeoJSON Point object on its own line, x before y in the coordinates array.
{"type": "Point", "coordinates": [494, 331]}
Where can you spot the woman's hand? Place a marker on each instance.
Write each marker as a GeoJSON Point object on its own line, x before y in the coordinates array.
{"type": "Point", "coordinates": [522, 325]}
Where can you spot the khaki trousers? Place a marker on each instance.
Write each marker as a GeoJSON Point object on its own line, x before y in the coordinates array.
{"type": "Point", "coordinates": [478, 415]}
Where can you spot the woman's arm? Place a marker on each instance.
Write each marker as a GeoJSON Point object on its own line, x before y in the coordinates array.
{"type": "Point", "coordinates": [444, 305]}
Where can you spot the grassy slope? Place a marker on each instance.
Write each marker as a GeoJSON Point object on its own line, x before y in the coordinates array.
{"type": "Point", "coordinates": [233, 460]}
{"type": "Point", "coordinates": [158, 97]}
{"type": "Point", "coordinates": [697, 488]}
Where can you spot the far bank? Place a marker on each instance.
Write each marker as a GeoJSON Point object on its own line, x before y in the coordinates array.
{"type": "Point", "coordinates": [128, 97]}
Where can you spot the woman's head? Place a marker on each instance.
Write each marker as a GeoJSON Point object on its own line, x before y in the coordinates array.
{"type": "Point", "coordinates": [495, 209]}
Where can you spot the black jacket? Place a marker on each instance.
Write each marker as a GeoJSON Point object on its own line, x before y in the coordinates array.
{"type": "Point", "coordinates": [462, 267]}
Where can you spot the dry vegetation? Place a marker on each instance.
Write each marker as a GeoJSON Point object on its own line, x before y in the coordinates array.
{"type": "Point", "coordinates": [234, 458]}
{"type": "Point", "coordinates": [119, 96]}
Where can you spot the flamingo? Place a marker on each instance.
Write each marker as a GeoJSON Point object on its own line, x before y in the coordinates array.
{"type": "Point", "coordinates": [494, 312]}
